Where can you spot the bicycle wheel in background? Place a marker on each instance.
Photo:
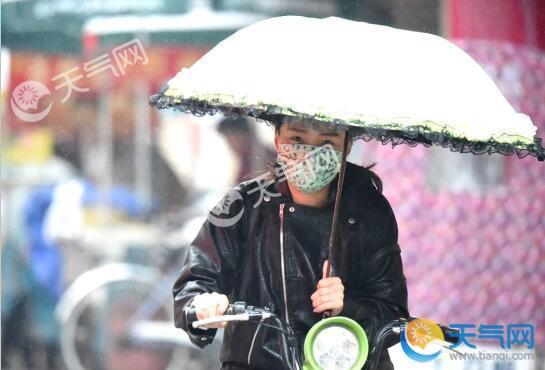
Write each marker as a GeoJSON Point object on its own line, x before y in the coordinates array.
{"type": "Point", "coordinates": [99, 317]}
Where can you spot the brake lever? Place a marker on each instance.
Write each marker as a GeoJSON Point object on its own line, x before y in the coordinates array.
{"type": "Point", "coordinates": [237, 311]}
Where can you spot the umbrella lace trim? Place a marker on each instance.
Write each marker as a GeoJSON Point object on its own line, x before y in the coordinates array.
{"type": "Point", "coordinates": [418, 133]}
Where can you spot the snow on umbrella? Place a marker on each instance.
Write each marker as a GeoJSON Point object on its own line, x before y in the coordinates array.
{"type": "Point", "coordinates": [377, 82]}
{"type": "Point", "coordinates": [393, 85]}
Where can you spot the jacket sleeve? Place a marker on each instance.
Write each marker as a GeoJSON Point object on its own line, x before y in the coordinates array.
{"type": "Point", "coordinates": [383, 295]}
{"type": "Point", "coordinates": [210, 264]}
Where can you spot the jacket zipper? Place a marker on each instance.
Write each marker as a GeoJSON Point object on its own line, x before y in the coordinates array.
{"type": "Point", "coordinates": [281, 214]}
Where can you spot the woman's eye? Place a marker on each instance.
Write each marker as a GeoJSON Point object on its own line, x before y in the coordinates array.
{"type": "Point", "coordinates": [325, 142]}
{"type": "Point", "coordinates": [297, 139]}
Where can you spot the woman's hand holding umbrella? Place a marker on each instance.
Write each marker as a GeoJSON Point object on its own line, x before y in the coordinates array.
{"type": "Point", "coordinates": [329, 295]}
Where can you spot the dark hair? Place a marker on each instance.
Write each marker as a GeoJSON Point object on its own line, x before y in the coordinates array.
{"type": "Point", "coordinates": [278, 121]}
{"type": "Point", "coordinates": [234, 125]}
{"type": "Point", "coordinates": [277, 126]}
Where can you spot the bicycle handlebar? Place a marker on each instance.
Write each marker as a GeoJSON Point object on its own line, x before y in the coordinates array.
{"type": "Point", "coordinates": [239, 311]}
{"type": "Point", "coordinates": [451, 335]}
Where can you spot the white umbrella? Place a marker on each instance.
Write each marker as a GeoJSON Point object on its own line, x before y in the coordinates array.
{"type": "Point", "coordinates": [384, 83]}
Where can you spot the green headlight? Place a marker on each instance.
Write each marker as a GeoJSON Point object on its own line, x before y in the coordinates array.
{"type": "Point", "coordinates": [336, 343]}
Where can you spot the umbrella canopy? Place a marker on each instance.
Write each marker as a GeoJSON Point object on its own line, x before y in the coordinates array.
{"type": "Point", "coordinates": [393, 85]}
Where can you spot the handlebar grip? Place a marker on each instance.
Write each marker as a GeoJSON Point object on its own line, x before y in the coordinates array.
{"type": "Point", "coordinates": [451, 335]}
{"type": "Point", "coordinates": [232, 309]}
{"type": "Point", "coordinates": [190, 314]}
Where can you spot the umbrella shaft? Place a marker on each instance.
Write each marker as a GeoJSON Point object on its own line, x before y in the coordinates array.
{"type": "Point", "coordinates": [330, 270]}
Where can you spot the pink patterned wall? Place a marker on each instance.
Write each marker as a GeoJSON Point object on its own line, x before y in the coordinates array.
{"type": "Point", "coordinates": [470, 258]}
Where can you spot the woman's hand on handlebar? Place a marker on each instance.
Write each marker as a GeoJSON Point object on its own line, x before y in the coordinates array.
{"type": "Point", "coordinates": [211, 305]}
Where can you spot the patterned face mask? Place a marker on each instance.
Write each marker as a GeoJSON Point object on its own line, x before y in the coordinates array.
{"type": "Point", "coordinates": [309, 167]}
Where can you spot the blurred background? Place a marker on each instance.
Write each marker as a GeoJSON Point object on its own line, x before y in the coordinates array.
{"type": "Point", "coordinates": [101, 194]}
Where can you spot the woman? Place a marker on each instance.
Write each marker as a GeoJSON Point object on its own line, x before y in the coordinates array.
{"type": "Point", "coordinates": [266, 244]}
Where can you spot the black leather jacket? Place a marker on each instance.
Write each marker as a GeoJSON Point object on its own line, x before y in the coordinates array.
{"type": "Point", "coordinates": [272, 257]}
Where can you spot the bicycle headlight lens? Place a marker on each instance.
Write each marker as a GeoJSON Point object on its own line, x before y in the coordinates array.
{"type": "Point", "coordinates": [336, 343]}
{"type": "Point", "coordinates": [336, 348]}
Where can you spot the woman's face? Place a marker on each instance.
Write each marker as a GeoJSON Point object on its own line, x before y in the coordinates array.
{"type": "Point", "coordinates": [301, 133]}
